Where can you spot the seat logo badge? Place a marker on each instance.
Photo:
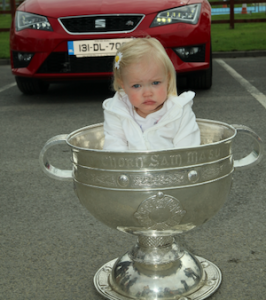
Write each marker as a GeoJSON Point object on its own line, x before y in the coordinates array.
{"type": "Point", "coordinates": [129, 23]}
{"type": "Point", "coordinates": [100, 23]}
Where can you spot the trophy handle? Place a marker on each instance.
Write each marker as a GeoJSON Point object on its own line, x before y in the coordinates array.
{"type": "Point", "coordinates": [255, 156]}
{"type": "Point", "coordinates": [49, 169]}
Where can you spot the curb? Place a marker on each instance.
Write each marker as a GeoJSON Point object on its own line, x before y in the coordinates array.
{"type": "Point", "coordinates": [237, 54]}
{"type": "Point", "coordinates": [4, 61]}
{"type": "Point", "coordinates": [233, 54]}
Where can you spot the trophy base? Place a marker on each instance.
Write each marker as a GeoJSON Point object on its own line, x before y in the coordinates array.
{"type": "Point", "coordinates": [211, 274]}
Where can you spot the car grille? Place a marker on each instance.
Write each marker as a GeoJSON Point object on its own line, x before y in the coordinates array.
{"type": "Point", "coordinates": [101, 24]}
{"type": "Point", "coordinates": [61, 62]}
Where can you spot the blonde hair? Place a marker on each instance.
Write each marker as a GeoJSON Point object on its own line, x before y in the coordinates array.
{"type": "Point", "coordinates": [136, 50]}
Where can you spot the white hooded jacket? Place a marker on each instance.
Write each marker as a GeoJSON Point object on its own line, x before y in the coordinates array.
{"type": "Point", "coordinates": [176, 129]}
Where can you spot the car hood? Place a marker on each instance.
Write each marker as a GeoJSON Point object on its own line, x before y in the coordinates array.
{"type": "Point", "coordinates": [63, 8]}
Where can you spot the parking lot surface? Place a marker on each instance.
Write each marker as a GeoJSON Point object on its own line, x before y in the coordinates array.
{"type": "Point", "coordinates": [51, 247]}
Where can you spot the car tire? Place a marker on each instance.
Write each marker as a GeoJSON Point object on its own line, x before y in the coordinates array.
{"type": "Point", "coordinates": [31, 86]}
{"type": "Point", "coordinates": [201, 79]}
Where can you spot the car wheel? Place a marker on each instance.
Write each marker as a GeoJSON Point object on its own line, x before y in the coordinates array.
{"type": "Point", "coordinates": [31, 86]}
{"type": "Point", "coordinates": [202, 79]}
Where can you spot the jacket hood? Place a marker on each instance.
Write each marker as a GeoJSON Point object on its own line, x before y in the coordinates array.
{"type": "Point", "coordinates": [63, 8]}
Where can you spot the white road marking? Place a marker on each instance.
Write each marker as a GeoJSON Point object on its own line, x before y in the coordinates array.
{"type": "Point", "coordinates": [8, 86]}
{"type": "Point", "coordinates": [249, 87]}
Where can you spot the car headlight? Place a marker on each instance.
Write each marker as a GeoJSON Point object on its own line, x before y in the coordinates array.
{"type": "Point", "coordinates": [27, 20]}
{"type": "Point", "coordinates": [184, 14]}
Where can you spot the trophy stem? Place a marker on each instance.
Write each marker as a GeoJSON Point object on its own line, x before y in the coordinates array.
{"type": "Point", "coordinates": [156, 268]}
{"type": "Point", "coordinates": [155, 250]}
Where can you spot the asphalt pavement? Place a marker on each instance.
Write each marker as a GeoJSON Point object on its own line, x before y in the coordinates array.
{"type": "Point", "coordinates": [51, 246]}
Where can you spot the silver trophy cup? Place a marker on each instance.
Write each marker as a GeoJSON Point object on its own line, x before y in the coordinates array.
{"type": "Point", "coordinates": [154, 195]}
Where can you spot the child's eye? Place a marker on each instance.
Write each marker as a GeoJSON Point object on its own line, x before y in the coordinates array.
{"type": "Point", "coordinates": [156, 82]}
{"type": "Point", "coordinates": [136, 86]}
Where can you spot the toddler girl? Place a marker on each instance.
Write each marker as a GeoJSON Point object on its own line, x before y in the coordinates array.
{"type": "Point", "coordinates": [146, 113]}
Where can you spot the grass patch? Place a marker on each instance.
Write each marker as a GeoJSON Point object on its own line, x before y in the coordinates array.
{"type": "Point", "coordinates": [245, 36]}
{"type": "Point", "coordinates": [4, 42]}
{"type": "Point", "coordinates": [5, 21]}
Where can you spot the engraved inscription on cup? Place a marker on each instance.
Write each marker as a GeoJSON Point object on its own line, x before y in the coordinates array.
{"type": "Point", "coordinates": [169, 177]}
{"type": "Point", "coordinates": [161, 161]}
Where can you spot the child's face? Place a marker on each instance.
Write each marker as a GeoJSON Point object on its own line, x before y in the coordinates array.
{"type": "Point", "coordinates": [146, 85]}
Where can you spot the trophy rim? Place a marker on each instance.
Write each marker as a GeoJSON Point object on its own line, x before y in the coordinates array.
{"type": "Point", "coordinates": [140, 152]}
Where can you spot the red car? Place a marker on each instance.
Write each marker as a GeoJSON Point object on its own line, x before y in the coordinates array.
{"type": "Point", "coordinates": [56, 40]}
